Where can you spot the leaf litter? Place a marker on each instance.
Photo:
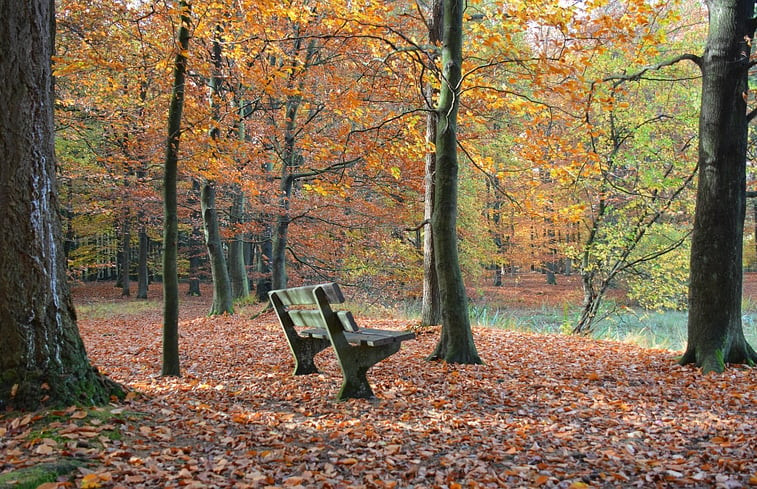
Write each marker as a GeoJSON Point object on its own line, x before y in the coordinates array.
{"type": "Point", "coordinates": [548, 411]}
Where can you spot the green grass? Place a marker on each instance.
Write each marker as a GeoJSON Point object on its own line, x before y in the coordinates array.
{"type": "Point", "coordinates": [32, 477]}
{"type": "Point", "coordinates": [649, 329]}
{"type": "Point", "coordinates": [103, 310]}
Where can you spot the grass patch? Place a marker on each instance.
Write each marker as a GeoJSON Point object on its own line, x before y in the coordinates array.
{"type": "Point", "coordinates": [103, 310]}
{"type": "Point", "coordinates": [32, 477]}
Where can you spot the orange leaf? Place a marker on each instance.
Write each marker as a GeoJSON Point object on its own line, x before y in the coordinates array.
{"type": "Point", "coordinates": [91, 481]}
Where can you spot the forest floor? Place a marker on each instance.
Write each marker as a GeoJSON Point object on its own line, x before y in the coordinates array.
{"type": "Point", "coordinates": [544, 411]}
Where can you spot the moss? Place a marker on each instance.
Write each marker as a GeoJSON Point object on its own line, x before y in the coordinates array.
{"type": "Point", "coordinates": [714, 363]}
{"type": "Point", "coordinates": [31, 477]}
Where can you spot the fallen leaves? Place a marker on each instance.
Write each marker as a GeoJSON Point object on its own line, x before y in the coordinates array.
{"type": "Point", "coordinates": [545, 411]}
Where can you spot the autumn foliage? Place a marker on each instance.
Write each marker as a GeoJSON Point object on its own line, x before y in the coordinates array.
{"type": "Point", "coordinates": [313, 114]}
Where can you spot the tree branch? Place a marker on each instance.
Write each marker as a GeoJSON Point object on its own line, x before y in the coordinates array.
{"type": "Point", "coordinates": [618, 79]}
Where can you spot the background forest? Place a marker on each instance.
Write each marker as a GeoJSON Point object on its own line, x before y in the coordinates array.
{"type": "Point", "coordinates": [304, 143]}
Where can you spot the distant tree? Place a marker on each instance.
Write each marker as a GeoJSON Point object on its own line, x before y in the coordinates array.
{"type": "Point", "coordinates": [42, 357]}
{"type": "Point", "coordinates": [715, 332]}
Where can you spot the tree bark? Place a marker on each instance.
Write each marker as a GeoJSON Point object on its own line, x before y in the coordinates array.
{"type": "Point", "coordinates": [715, 334]}
{"type": "Point", "coordinates": [278, 268]}
{"type": "Point", "coordinates": [222, 301]}
{"type": "Point", "coordinates": [143, 271]}
{"type": "Point", "coordinates": [240, 286]}
{"type": "Point", "coordinates": [42, 356]}
{"type": "Point", "coordinates": [195, 242]}
{"type": "Point", "coordinates": [263, 263]}
{"type": "Point", "coordinates": [125, 254]}
{"type": "Point", "coordinates": [456, 340]}
{"type": "Point", "coordinates": [431, 313]}
{"type": "Point", "coordinates": [171, 366]}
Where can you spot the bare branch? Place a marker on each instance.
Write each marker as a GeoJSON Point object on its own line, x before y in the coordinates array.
{"type": "Point", "coordinates": [618, 79]}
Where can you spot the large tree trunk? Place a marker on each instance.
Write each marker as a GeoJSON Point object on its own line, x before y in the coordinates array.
{"type": "Point", "coordinates": [42, 357]}
{"type": "Point", "coordinates": [171, 222]}
{"type": "Point", "coordinates": [456, 341]}
{"type": "Point", "coordinates": [222, 301]}
{"type": "Point", "coordinates": [715, 334]}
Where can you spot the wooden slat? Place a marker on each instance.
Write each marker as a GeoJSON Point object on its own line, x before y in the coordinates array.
{"type": "Point", "coordinates": [307, 318]}
{"type": "Point", "coordinates": [310, 318]}
{"type": "Point", "coordinates": [304, 295]}
{"type": "Point", "coordinates": [364, 336]}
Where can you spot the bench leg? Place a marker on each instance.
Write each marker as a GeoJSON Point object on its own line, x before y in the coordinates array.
{"type": "Point", "coordinates": [355, 362]}
{"type": "Point", "coordinates": [304, 351]}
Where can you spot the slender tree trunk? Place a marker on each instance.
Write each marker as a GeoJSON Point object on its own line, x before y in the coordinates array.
{"type": "Point", "coordinates": [715, 334]}
{"type": "Point", "coordinates": [592, 300]}
{"type": "Point", "coordinates": [456, 341]}
{"type": "Point", "coordinates": [431, 313]}
{"type": "Point", "coordinates": [42, 356]}
{"type": "Point", "coordinates": [143, 271]}
{"type": "Point", "coordinates": [125, 255]}
{"type": "Point", "coordinates": [222, 301]}
{"type": "Point", "coordinates": [170, 203]}
{"type": "Point", "coordinates": [278, 269]}
{"type": "Point", "coordinates": [240, 286]}
{"type": "Point", "coordinates": [195, 242]}
{"type": "Point", "coordinates": [264, 284]}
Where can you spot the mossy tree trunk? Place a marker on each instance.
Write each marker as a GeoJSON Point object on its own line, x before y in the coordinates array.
{"type": "Point", "coordinates": [715, 334]}
{"type": "Point", "coordinates": [42, 356]}
{"type": "Point", "coordinates": [456, 340]}
{"type": "Point", "coordinates": [171, 365]}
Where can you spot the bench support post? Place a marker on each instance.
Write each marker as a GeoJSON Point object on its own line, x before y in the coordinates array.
{"type": "Point", "coordinates": [303, 349]}
{"type": "Point", "coordinates": [353, 360]}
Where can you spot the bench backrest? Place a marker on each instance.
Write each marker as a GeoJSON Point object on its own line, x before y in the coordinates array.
{"type": "Point", "coordinates": [303, 296]}
{"type": "Point", "coordinates": [283, 299]}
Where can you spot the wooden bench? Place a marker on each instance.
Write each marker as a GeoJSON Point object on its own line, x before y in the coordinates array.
{"type": "Point", "coordinates": [357, 349]}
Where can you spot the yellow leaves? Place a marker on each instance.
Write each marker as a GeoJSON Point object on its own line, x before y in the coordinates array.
{"type": "Point", "coordinates": [573, 213]}
{"type": "Point", "coordinates": [95, 480]}
{"type": "Point", "coordinates": [578, 485]}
